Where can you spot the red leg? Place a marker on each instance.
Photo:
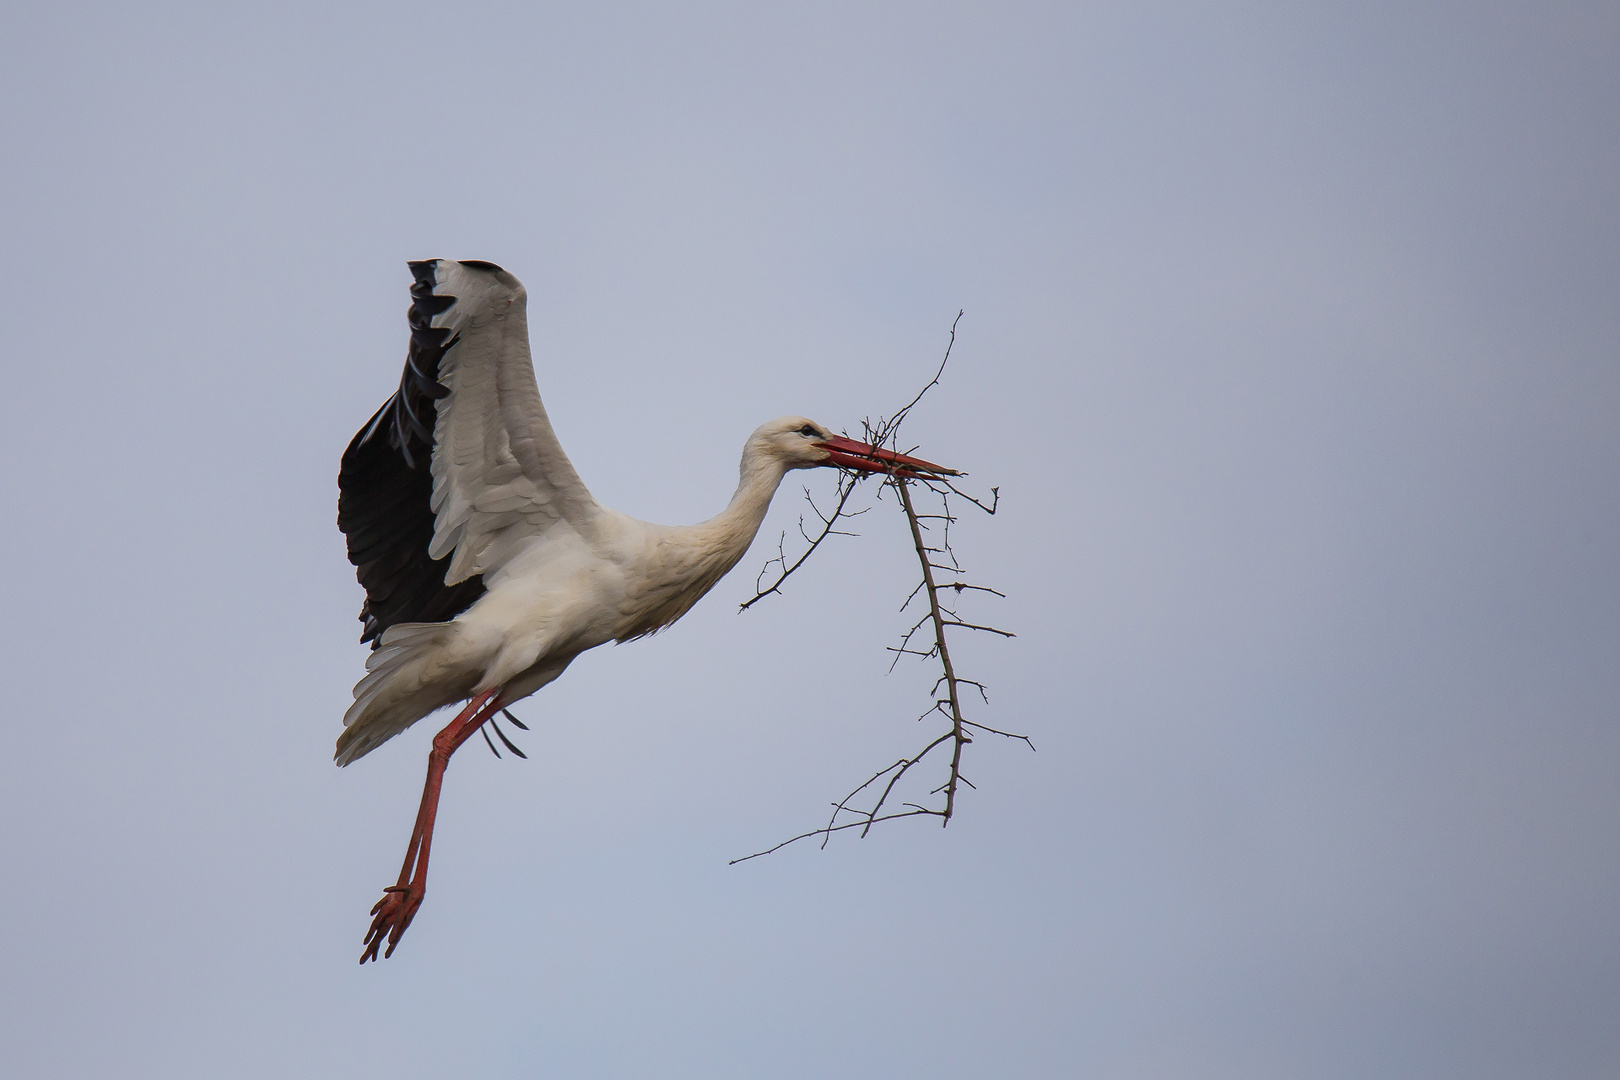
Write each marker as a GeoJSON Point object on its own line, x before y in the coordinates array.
{"type": "Point", "coordinates": [394, 912]}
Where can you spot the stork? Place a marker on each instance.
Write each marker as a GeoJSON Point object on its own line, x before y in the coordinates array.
{"type": "Point", "coordinates": [487, 564]}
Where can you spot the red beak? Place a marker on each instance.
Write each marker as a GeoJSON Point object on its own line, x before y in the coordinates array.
{"type": "Point", "coordinates": [849, 454]}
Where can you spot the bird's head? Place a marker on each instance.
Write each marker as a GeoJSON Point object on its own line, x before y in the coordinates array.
{"type": "Point", "coordinates": [799, 443]}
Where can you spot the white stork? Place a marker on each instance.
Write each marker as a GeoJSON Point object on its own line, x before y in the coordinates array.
{"type": "Point", "coordinates": [487, 564]}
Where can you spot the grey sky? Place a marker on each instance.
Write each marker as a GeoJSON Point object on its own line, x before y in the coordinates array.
{"type": "Point", "coordinates": [1291, 340]}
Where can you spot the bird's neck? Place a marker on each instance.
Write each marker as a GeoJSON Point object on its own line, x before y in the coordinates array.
{"type": "Point", "coordinates": [734, 528]}
{"type": "Point", "coordinates": [691, 558]}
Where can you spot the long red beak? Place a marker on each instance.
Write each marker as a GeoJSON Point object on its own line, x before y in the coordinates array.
{"type": "Point", "coordinates": [849, 454]}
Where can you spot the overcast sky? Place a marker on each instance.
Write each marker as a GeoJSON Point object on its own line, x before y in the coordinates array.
{"type": "Point", "coordinates": [1291, 340]}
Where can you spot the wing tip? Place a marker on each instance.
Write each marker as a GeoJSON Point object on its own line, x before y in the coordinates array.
{"type": "Point", "coordinates": [423, 268]}
{"type": "Point", "coordinates": [430, 274]}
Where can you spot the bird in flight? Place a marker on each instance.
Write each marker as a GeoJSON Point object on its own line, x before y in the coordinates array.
{"type": "Point", "coordinates": [487, 564]}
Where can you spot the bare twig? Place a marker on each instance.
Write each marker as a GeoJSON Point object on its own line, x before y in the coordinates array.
{"type": "Point", "coordinates": [975, 626]}
{"type": "Point", "coordinates": [959, 735]}
{"type": "Point", "coordinates": [846, 488]}
{"type": "Point", "coordinates": [837, 828]}
{"type": "Point", "coordinates": [934, 553]}
{"type": "Point", "coordinates": [894, 424]}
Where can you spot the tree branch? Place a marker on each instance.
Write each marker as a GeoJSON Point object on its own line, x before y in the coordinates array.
{"type": "Point", "coordinates": [934, 552]}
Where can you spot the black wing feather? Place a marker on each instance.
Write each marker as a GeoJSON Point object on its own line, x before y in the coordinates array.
{"type": "Point", "coordinates": [385, 486]}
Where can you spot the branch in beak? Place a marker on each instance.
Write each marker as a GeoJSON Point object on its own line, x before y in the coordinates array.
{"type": "Point", "coordinates": [848, 454]}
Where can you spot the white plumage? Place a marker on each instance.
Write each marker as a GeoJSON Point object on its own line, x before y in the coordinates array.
{"type": "Point", "coordinates": [488, 565]}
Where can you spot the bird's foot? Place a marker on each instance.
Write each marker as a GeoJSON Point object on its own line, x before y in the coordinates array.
{"type": "Point", "coordinates": [391, 915]}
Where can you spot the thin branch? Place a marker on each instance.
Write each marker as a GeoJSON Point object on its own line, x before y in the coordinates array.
{"type": "Point", "coordinates": [995, 493]}
{"type": "Point", "coordinates": [894, 424]}
{"type": "Point", "coordinates": [846, 489]}
{"type": "Point", "coordinates": [986, 728]}
{"type": "Point", "coordinates": [975, 626]}
{"type": "Point", "coordinates": [920, 811]}
{"type": "Point", "coordinates": [960, 585]}
{"type": "Point", "coordinates": [958, 733]}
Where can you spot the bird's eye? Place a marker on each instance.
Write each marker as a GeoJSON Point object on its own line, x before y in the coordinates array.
{"type": "Point", "coordinates": [809, 431]}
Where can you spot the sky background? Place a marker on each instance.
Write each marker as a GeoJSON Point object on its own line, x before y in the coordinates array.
{"type": "Point", "coordinates": [1291, 340]}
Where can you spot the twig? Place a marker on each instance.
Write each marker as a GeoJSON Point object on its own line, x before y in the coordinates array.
{"type": "Point", "coordinates": [846, 488]}
{"type": "Point", "coordinates": [958, 733]}
{"type": "Point", "coordinates": [934, 553]}
{"type": "Point", "coordinates": [894, 424]}
{"type": "Point", "coordinates": [837, 828]}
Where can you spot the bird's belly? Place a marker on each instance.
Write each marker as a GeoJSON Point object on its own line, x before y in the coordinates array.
{"type": "Point", "coordinates": [523, 620]}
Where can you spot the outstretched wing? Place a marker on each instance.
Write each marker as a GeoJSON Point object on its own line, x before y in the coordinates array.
{"type": "Point", "coordinates": [460, 467]}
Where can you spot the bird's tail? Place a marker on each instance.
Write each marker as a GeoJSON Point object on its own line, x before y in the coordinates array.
{"type": "Point", "coordinates": [412, 673]}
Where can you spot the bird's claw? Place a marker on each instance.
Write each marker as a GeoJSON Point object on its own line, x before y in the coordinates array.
{"type": "Point", "coordinates": [391, 915]}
